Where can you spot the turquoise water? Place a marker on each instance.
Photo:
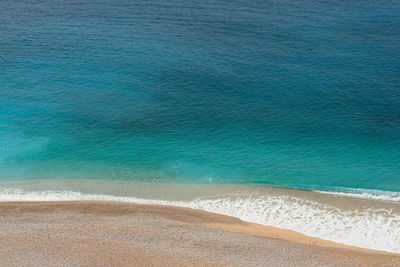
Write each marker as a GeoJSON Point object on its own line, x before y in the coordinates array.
{"type": "Point", "coordinates": [302, 94]}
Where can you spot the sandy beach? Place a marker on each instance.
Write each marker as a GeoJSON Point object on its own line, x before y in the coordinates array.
{"type": "Point", "coordinates": [90, 233]}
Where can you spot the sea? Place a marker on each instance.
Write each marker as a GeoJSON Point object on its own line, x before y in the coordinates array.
{"type": "Point", "coordinates": [283, 113]}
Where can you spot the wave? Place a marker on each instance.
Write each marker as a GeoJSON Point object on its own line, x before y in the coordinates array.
{"type": "Point", "coordinates": [372, 228]}
{"type": "Point", "coordinates": [364, 193]}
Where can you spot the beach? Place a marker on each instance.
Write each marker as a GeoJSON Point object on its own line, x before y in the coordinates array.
{"type": "Point", "coordinates": [206, 133]}
{"type": "Point", "coordinates": [93, 233]}
{"type": "Point", "coordinates": [358, 221]}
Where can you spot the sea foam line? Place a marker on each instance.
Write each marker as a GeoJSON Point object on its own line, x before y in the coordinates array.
{"type": "Point", "coordinates": [364, 193]}
{"type": "Point", "coordinates": [368, 228]}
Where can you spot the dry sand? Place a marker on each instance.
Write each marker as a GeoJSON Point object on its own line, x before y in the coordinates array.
{"type": "Point", "coordinates": [89, 233]}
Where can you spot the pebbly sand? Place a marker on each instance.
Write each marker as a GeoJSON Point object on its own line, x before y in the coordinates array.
{"type": "Point", "coordinates": [91, 233]}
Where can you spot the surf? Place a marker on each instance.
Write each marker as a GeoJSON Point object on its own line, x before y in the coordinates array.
{"type": "Point", "coordinates": [374, 224]}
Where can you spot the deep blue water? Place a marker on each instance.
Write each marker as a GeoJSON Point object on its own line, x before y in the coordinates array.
{"type": "Point", "coordinates": [290, 93]}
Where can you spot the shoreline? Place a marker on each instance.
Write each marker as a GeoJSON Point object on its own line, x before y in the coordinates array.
{"type": "Point", "coordinates": [242, 226]}
{"type": "Point", "coordinates": [365, 223]}
{"type": "Point", "coordinates": [352, 193]}
{"type": "Point", "coordinates": [102, 217]}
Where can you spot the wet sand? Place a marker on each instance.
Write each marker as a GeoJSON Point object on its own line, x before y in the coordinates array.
{"type": "Point", "coordinates": [92, 233]}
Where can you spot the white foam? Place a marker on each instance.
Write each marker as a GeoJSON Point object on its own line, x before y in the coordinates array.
{"type": "Point", "coordinates": [365, 194]}
{"type": "Point", "coordinates": [368, 228]}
